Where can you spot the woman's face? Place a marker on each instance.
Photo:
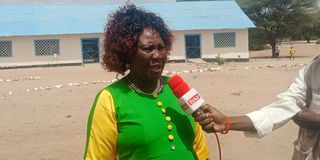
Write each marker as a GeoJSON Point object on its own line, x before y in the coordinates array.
{"type": "Point", "coordinates": [148, 62]}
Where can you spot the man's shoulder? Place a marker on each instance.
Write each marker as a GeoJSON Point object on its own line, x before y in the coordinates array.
{"type": "Point", "coordinates": [317, 58]}
{"type": "Point", "coordinates": [314, 64]}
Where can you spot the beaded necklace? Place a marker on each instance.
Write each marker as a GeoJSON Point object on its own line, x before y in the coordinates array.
{"type": "Point", "coordinates": [155, 92]}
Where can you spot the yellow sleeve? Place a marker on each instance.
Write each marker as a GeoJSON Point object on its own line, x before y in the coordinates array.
{"type": "Point", "coordinates": [200, 145]}
{"type": "Point", "coordinates": [102, 131]}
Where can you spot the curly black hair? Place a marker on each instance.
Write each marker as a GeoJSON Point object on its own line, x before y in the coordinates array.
{"type": "Point", "coordinates": [122, 33]}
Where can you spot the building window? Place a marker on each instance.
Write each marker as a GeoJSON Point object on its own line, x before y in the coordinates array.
{"type": "Point", "coordinates": [225, 40]}
{"type": "Point", "coordinates": [47, 47]}
{"type": "Point", "coordinates": [193, 45]}
{"type": "Point", "coordinates": [5, 48]}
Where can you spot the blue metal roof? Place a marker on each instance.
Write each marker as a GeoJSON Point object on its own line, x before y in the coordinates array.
{"type": "Point", "coordinates": [24, 20]}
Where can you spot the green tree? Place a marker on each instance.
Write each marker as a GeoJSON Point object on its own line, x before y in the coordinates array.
{"type": "Point", "coordinates": [256, 40]}
{"type": "Point", "coordinates": [310, 27]}
{"type": "Point", "coordinates": [276, 19]}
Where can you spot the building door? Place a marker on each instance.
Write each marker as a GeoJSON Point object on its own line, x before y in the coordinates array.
{"type": "Point", "coordinates": [90, 50]}
{"type": "Point", "coordinates": [192, 43]}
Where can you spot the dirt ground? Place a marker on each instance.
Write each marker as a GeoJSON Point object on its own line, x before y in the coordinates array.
{"type": "Point", "coordinates": [43, 111]}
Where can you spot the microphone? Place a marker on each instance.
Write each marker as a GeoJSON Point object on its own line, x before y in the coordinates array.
{"type": "Point", "coordinates": [189, 99]}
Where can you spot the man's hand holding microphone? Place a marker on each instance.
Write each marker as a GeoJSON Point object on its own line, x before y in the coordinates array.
{"type": "Point", "coordinates": [210, 119]}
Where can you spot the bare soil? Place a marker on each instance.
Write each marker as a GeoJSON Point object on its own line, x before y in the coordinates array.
{"type": "Point", "coordinates": [43, 111]}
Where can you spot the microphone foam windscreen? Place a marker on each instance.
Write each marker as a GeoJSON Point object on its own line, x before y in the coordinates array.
{"type": "Point", "coordinates": [178, 86]}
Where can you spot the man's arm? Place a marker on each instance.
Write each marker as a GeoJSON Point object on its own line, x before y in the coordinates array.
{"type": "Point", "coordinates": [212, 120]}
{"type": "Point", "coordinates": [260, 122]}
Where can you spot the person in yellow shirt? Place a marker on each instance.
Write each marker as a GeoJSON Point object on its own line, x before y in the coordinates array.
{"type": "Point", "coordinates": [292, 52]}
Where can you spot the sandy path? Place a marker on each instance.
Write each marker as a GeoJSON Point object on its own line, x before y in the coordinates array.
{"type": "Point", "coordinates": [51, 124]}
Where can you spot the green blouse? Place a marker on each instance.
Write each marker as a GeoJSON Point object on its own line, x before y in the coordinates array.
{"type": "Point", "coordinates": [153, 128]}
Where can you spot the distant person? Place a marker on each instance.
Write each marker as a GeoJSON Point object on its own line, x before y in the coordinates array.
{"type": "Point", "coordinates": [138, 117]}
{"type": "Point", "coordinates": [277, 53]}
{"type": "Point", "coordinates": [301, 103]}
{"type": "Point", "coordinates": [292, 53]}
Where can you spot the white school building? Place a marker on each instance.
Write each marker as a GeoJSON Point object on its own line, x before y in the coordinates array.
{"type": "Point", "coordinates": [71, 34]}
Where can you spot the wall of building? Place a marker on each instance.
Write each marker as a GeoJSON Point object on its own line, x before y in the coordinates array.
{"type": "Point", "coordinates": [71, 50]}
{"type": "Point", "coordinates": [208, 50]}
{"type": "Point", "coordinates": [23, 50]}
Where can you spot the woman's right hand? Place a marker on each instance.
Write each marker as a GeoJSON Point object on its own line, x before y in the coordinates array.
{"type": "Point", "coordinates": [210, 119]}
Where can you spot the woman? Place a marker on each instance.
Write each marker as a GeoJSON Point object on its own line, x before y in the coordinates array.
{"type": "Point", "coordinates": [138, 117]}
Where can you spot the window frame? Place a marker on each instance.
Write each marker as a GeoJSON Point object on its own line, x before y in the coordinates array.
{"type": "Point", "coordinates": [185, 43]}
{"type": "Point", "coordinates": [10, 49]}
{"type": "Point", "coordinates": [39, 40]}
{"type": "Point", "coordinates": [215, 36]}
